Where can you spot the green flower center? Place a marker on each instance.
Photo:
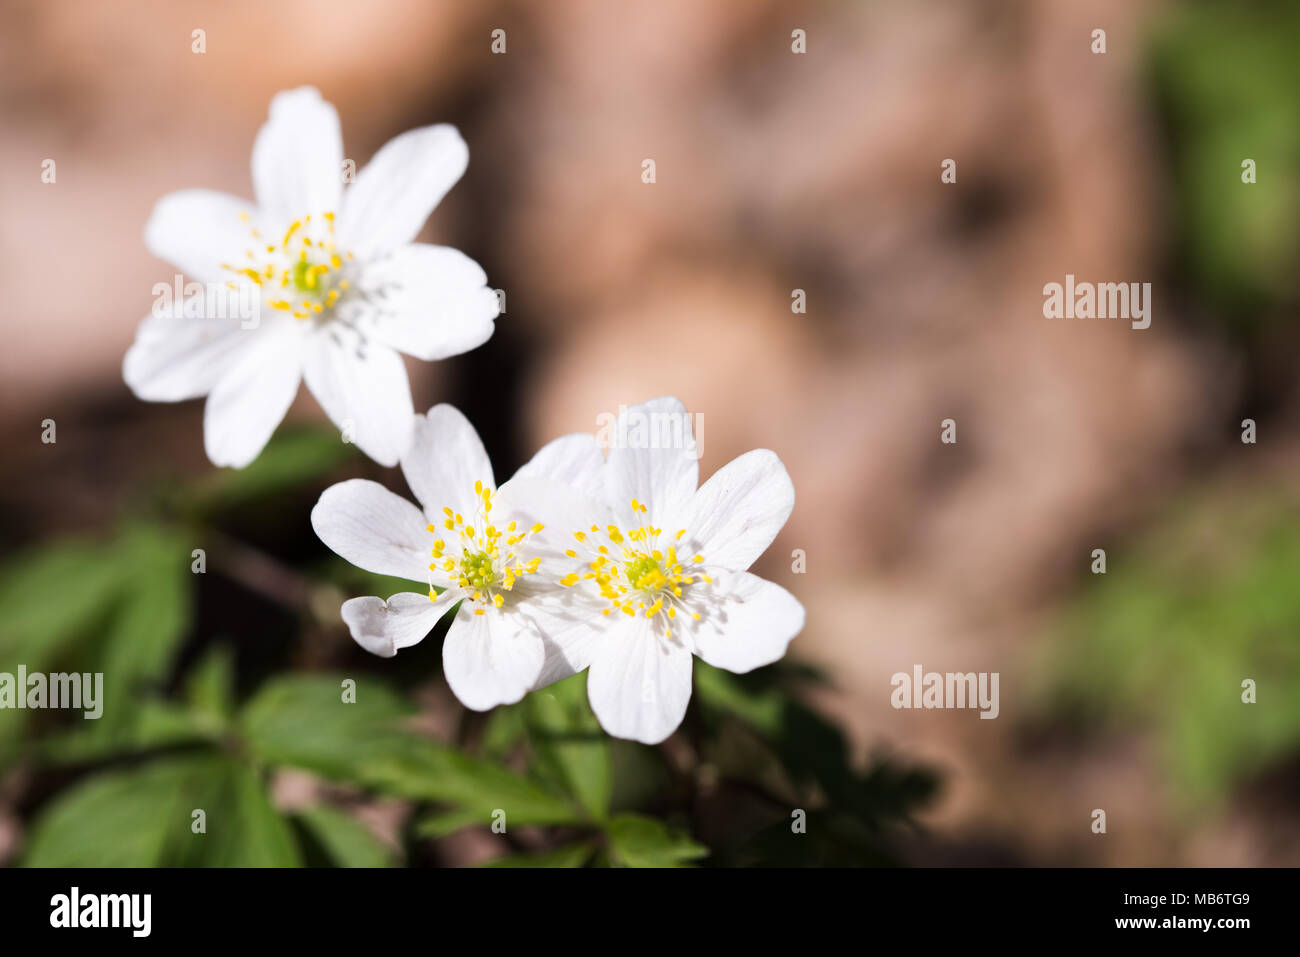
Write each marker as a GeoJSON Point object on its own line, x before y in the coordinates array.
{"type": "Point", "coordinates": [489, 562]}
{"type": "Point", "coordinates": [645, 573]}
{"type": "Point", "coordinates": [477, 569]}
{"type": "Point", "coordinates": [308, 277]}
{"type": "Point", "coordinates": [645, 579]}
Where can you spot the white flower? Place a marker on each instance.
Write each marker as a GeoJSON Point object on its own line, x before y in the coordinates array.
{"type": "Point", "coordinates": [341, 288]}
{"type": "Point", "coordinates": [666, 576]}
{"type": "Point", "coordinates": [489, 549]}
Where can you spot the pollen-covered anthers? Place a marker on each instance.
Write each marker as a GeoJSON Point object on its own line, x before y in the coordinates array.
{"type": "Point", "coordinates": [634, 572]}
{"type": "Point", "coordinates": [303, 274]}
{"type": "Point", "coordinates": [489, 561]}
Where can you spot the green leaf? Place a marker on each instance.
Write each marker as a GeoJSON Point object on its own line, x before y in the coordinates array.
{"type": "Point", "coordinates": [433, 773]}
{"type": "Point", "coordinates": [570, 855]}
{"type": "Point", "coordinates": [123, 605]}
{"type": "Point", "coordinates": [155, 724]}
{"type": "Point", "coordinates": [357, 581]}
{"type": "Point", "coordinates": [442, 825]}
{"type": "Point", "coordinates": [304, 721]}
{"type": "Point", "coordinates": [51, 595]}
{"type": "Point", "coordinates": [570, 743]}
{"type": "Point", "coordinates": [295, 456]}
{"type": "Point", "coordinates": [153, 616]}
{"type": "Point", "coordinates": [116, 819]}
{"type": "Point", "coordinates": [300, 721]}
{"type": "Point", "coordinates": [210, 688]}
{"type": "Point", "coordinates": [143, 817]}
{"type": "Point", "coordinates": [637, 841]}
{"type": "Point", "coordinates": [806, 748]}
{"type": "Point", "coordinates": [344, 840]}
{"type": "Point", "coordinates": [506, 729]}
{"type": "Point", "coordinates": [764, 709]}
{"type": "Point", "coordinates": [243, 828]}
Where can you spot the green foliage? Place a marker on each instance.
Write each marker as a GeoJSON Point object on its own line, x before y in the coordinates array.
{"type": "Point", "coordinates": [210, 689]}
{"type": "Point", "coordinates": [1204, 601]}
{"type": "Point", "coordinates": [143, 818]}
{"type": "Point", "coordinates": [340, 840]}
{"type": "Point", "coordinates": [302, 721]}
{"type": "Point", "coordinates": [119, 609]}
{"type": "Point", "coordinates": [770, 745]}
{"type": "Point", "coordinates": [1227, 80]}
{"type": "Point", "coordinates": [153, 614]}
{"type": "Point", "coordinates": [297, 457]}
{"type": "Point", "coordinates": [636, 841]}
{"type": "Point", "coordinates": [51, 594]}
{"type": "Point", "coordinates": [299, 721]}
{"type": "Point", "coordinates": [569, 855]}
{"type": "Point", "coordinates": [571, 749]}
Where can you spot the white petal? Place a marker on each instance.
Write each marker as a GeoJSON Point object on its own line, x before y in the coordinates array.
{"type": "Point", "coordinates": [196, 230]}
{"type": "Point", "coordinates": [362, 387]}
{"type": "Point", "coordinates": [298, 157]}
{"type": "Point", "coordinates": [430, 302]}
{"type": "Point", "coordinates": [652, 458]}
{"type": "Point", "coordinates": [752, 625]}
{"type": "Point", "coordinates": [492, 658]}
{"type": "Point", "coordinates": [399, 187]}
{"type": "Point", "coordinates": [374, 529]}
{"type": "Point", "coordinates": [571, 627]}
{"type": "Point", "coordinates": [384, 627]}
{"type": "Point", "coordinates": [445, 459]}
{"type": "Point", "coordinates": [251, 399]}
{"type": "Point", "coordinates": [175, 358]}
{"type": "Point", "coordinates": [572, 459]}
{"type": "Point", "coordinates": [560, 509]}
{"type": "Point", "coordinates": [640, 682]}
{"type": "Point", "coordinates": [737, 513]}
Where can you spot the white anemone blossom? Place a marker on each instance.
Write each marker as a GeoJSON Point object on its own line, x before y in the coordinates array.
{"type": "Point", "coordinates": [488, 548]}
{"type": "Point", "coordinates": [339, 286]}
{"type": "Point", "coordinates": [666, 576]}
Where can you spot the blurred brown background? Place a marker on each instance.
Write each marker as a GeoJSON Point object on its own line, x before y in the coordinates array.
{"type": "Point", "coordinates": [775, 171]}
